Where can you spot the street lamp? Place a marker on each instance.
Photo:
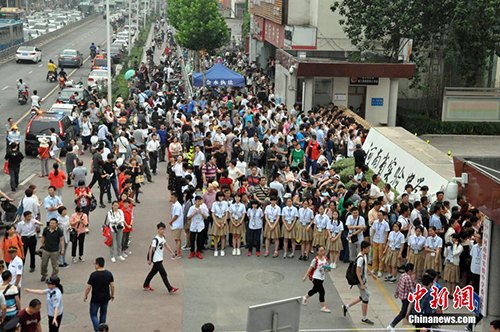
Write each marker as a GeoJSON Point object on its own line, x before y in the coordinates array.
{"type": "Point", "coordinates": [108, 47]}
{"type": "Point", "coordinates": [129, 25]}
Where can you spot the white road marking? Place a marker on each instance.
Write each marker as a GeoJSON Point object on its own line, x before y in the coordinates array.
{"type": "Point", "coordinates": [27, 179]}
{"type": "Point", "coordinates": [30, 71]}
{"type": "Point", "coordinates": [5, 87]}
{"type": "Point", "coordinates": [40, 65]}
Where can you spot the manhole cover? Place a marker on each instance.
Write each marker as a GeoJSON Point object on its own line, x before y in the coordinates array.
{"type": "Point", "coordinates": [68, 318]}
{"type": "Point", "coordinates": [73, 288]}
{"type": "Point", "coordinates": [265, 277]}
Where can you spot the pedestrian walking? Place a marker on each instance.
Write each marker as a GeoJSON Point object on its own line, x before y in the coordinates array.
{"type": "Point", "coordinates": [52, 245]}
{"type": "Point", "coordinates": [405, 286]}
{"type": "Point", "coordinates": [361, 272]}
{"type": "Point", "coordinates": [27, 229]}
{"type": "Point", "coordinates": [78, 223]}
{"type": "Point", "coordinates": [54, 292]}
{"type": "Point", "coordinates": [63, 224]}
{"type": "Point", "coordinates": [51, 203]}
{"type": "Point", "coordinates": [102, 284]}
{"type": "Point", "coordinates": [176, 224]}
{"type": "Point", "coordinates": [116, 220]}
{"type": "Point", "coordinates": [43, 155]}
{"type": "Point", "coordinates": [15, 267]}
{"type": "Point", "coordinates": [316, 272]}
{"type": "Point", "coordinates": [127, 208]}
{"type": "Point", "coordinates": [11, 294]}
{"type": "Point", "coordinates": [155, 257]}
{"type": "Point", "coordinates": [11, 240]}
{"type": "Point", "coordinates": [14, 157]}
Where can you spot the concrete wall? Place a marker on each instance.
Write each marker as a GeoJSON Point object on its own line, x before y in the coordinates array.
{"type": "Point", "coordinates": [330, 35]}
{"type": "Point", "coordinates": [285, 87]}
{"type": "Point", "coordinates": [299, 12]}
{"type": "Point", "coordinates": [341, 87]}
{"type": "Point", "coordinates": [377, 115]}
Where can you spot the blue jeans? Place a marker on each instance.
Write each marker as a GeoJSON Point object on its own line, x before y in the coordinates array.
{"type": "Point", "coordinates": [311, 162]}
{"type": "Point", "coordinates": [103, 308]}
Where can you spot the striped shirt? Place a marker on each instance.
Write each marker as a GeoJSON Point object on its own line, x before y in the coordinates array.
{"type": "Point", "coordinates": [209, 172]}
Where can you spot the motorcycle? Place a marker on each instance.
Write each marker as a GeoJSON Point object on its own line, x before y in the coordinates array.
{"type": "Point", "coordinates": [51, 77]}
{"type": "Point", "coordinates": [22, 97]}
{"type": "Point", "coordinates": [62, 82]}
{"type": "Point", "coordinates": [93, 53]}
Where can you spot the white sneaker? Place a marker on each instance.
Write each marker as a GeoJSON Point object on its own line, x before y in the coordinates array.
{"type": "Point", "coordinates": [222, 253]}
{"type": "Point", "coordinates": [325, 309]}
{"type": "Point", "coordinates": [234, 252]}
{"type": "Point", "coordinates": [113, 260]}
{"type": "Point", "coordinates": [216, 253]}
{"type": "Point", "coordinates": [129, 253]}
{"type": "Point", "coordinates": [124, 255]}
{"type": "Point", "coordinates": [390, 328]}
{"type": "Point", "coordinates": [379, 274]}
{"type": "Point", "coordinates": [334, 265]}
{"type": "Point", "coordinates": [238, 252]}
{"type": "Point", "coordinates": [121, 258]}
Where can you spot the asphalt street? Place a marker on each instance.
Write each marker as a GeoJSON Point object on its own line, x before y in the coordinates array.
{"type": "Point", "coordinates": [34, 76]}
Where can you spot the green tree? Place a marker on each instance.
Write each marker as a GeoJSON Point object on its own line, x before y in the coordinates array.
{"type": "Point", "coordinates": [467, 29]}
{"type": "Point", "coordinates": [201, 26]}
{"type": "Point", "coordinates": [174, 13]}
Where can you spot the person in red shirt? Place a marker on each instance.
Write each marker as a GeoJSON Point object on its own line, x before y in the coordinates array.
{"type": "Point", "coordinates": [127, 209]}
{"type": "Point", "coordinates": [82, 197]}
{"type": "Point", "coordinates": [312, 153]}
{"type": "Point", "coordinates": [44, 155]}
{"type": "Point", "coordinates": [56, 179]}
{"type": "Point", "coordinates": [30, 318]}
{"type": "Point", "coordinates": [122, 177]}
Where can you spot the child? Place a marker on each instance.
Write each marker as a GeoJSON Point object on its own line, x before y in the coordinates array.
{"type": "Point", "coordinates": [63, 224]}
{"type": "Point", "coordinates": [334, 244]}
{"type": "Point", "coordinates": [393, 252]}
{"type": "Point", "coordinates": [452, 253]}
{"type": "Point", "coordinates": [272, 231]}
{"type": "Point", "coordinates": [289, 214]}
{"type": "Point", "coordinates": [416, 244]}
{"type": "Point", "coordinates": [255, 221]}
{"type": "Point", "coordinates": [433, 247]}
{"type": "Point", "coordinates": [304, 232]}
{"type": "Point", "coordinates": [237, 218]}
{"type": "Point", "coordinates": [321, 222]}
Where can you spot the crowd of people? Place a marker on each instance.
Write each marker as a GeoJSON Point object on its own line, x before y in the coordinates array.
{"type": "Point", "coordinates": [245, 171]}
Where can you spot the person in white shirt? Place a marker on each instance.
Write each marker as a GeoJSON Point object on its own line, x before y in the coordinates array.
{"type": "Point", "coordinates": [152, 148]}
{"type": "Point", "coordinates": [198, 162]}
{"type": "Point", "coordinates": [415, 253]}
{"type": "Point", "coordinates": [304, 230]}
{"type": "Point", "coordinates": [115, 219]}
{"type": "Point", "coordinates": [255, 221]}
{"type": "Point", "coordinates": [433, 247]}
{"type": "Point", "coordinates": [272, 215]}
{"type": "Point", "coordinates": [476, 253]}
{"type": "Point", "coordinates": [316, 272]}
{"type": "Point", "coordinates": [155, 257]}
{"type": "Point", "coordinates": [289, 216]}
{"type": "Point", "coordinates": [356, 225]}
{"type": "Point", "coordinates": [197, 215]}
{"type": "Point", "coordinates": [278, 186]}
{"type": "Point", "coordinates": [378, 234]}
{"type": "Point", "coordinates": [321, 221]}
{"type": "Point", "coordinates": [237, 214]}
{"type": "Point", "coordinates": [452, 253]}
{"type": "Point", "coordinates": [334, 244]}
{"type": "Point", "coordinates": [393, 252]}
{"type": "Point", "coordinates": [123, 145]}
{"type": "Point", "coordinates": [416, 213]}
{"type": "Point", "coordinates": [220, 212]}
{"type": "Point", "coordinates": [15, 267]}
{"type": "Point", "coordinates": [176, 223]}
{"type": "Point", "coordinates": [35, 99]}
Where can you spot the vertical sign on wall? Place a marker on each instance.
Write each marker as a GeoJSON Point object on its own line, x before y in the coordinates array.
{"type": "Point", "coordinates": [483, 283]}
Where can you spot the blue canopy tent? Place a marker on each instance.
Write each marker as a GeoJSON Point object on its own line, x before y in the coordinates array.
{"type": "Point", "coordinates": [219, 76]}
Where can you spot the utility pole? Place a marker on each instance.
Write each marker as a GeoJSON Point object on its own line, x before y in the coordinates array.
{"type": "Point", "coordinates": [108, 46]}
{"type": "Point", "coordinates": [129, 26]}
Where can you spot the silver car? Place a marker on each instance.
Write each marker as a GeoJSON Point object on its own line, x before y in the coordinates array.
{"type": "Point", "coordinates": [70, 58]}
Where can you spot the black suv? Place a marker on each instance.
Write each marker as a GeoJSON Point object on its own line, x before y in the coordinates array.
{"type": "Point", "coordinates": [82, 99]}
{"type": "Point", "coordinates": [39, 126]}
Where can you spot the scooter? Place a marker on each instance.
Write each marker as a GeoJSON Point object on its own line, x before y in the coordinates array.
{"type": "Point", "coordinates": [22, 97]}
{"type": "Point", "coordinates": [62, 82]}
{"type": "Point", "coordinates": [51, 77]}
{"type": "Point", "coordinates": [93, 53]}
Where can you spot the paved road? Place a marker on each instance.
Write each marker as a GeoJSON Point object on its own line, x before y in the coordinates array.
{"type": "Point", "coordinates": [34, 76]}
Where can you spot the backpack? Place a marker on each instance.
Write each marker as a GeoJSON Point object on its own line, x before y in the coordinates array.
{"type": "Point", "coordinates": [150, 258]}
{"type": "Point", "coordinates": [350, 274]}
{"type": "Point", "coordinates": [311, 272]}
{"type": "Point", "coordinates": [59, 142]}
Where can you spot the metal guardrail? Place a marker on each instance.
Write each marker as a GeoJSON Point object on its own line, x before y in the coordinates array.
{"type": "Point", "coordinates": [188, 87]}
{"type": "Point", "coordinates": [8, 54]}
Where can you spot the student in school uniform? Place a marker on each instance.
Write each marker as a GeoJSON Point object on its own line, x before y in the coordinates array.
{"type": "Point", "coordinates": [289, 214]}
{"type": "Point", "coordinates": [196, 217]}
{"type": "Point", "coordinates": [416, 253]}
{"type": "Point", "coordinates": [220, 212]}
{"type": "Point", "coordinates": [393, 252]}
{"type": "Point", "coordinates": [255, 221]}
{"type": "Point", "coordinates": [433, 247]}
{"type": "Point", "coordinates": [378, 232]}
{"type": "Point", "coordinates": [321, 221]}
{"type": "Point", "coordinates": [452, 253]}
{"type": "Point", "coordinates": [334, 243]}
{"type": "Point", "coordinates": [304, 233]}
{"type": "Point", "coordinates": [272, 215]}
{"type": "Point", "coordinates": [237, 213]}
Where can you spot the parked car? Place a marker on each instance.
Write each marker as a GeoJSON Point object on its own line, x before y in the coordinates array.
{"type": "Point", "coordinates": [28, 53]}
{"type": "Point", "coordinates": [70, 58]}
{"type": "Point", "coordinates": [97, 76]}
{"type": "Point", "coordinates": [116, 53]}
{"type": "Point", "coordinates": [39, 126]}
{"type": "Point", "coordinates": [101, 62]}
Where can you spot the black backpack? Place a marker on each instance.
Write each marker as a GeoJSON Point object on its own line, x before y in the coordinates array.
{"type": "Point", "coordinates": [150, 258]}
{"type": "Point", "coordinates": [350, 274]}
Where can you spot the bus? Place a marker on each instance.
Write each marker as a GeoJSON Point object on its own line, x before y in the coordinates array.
{"type": "Point", "coordinates": [12, 13]}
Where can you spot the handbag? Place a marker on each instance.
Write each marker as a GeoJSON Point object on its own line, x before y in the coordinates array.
{"type": "Point", "coordinates": [6, 167]}
{"type": "Point", "coordinates": [139, 179]}
{"type": "Point", "coordinates": [93, 203]}
{"type": "Point", "coordinates": [106, 232]}
{"type": "Point", "coordinates": [73, 234]}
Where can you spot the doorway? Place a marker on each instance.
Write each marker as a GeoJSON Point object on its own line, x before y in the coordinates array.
{"type": "Point", "coordinates": [357, 99]}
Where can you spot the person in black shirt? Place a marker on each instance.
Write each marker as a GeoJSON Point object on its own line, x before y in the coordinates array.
{"type": "Point", "coordinates": [221, 157]}
{"type": "Point", "coordinates": [96, 163]}
{"type": "Point", "coordinates": [52, 244]}
{"type": "Point", "coordinates": [109, 168]}
{"type": "Point", "coordinates": [102, 284]}
{"type": "Point", "coordinates": [14, 157]}
{"type": "Point", "coordinates": [359, 156]}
